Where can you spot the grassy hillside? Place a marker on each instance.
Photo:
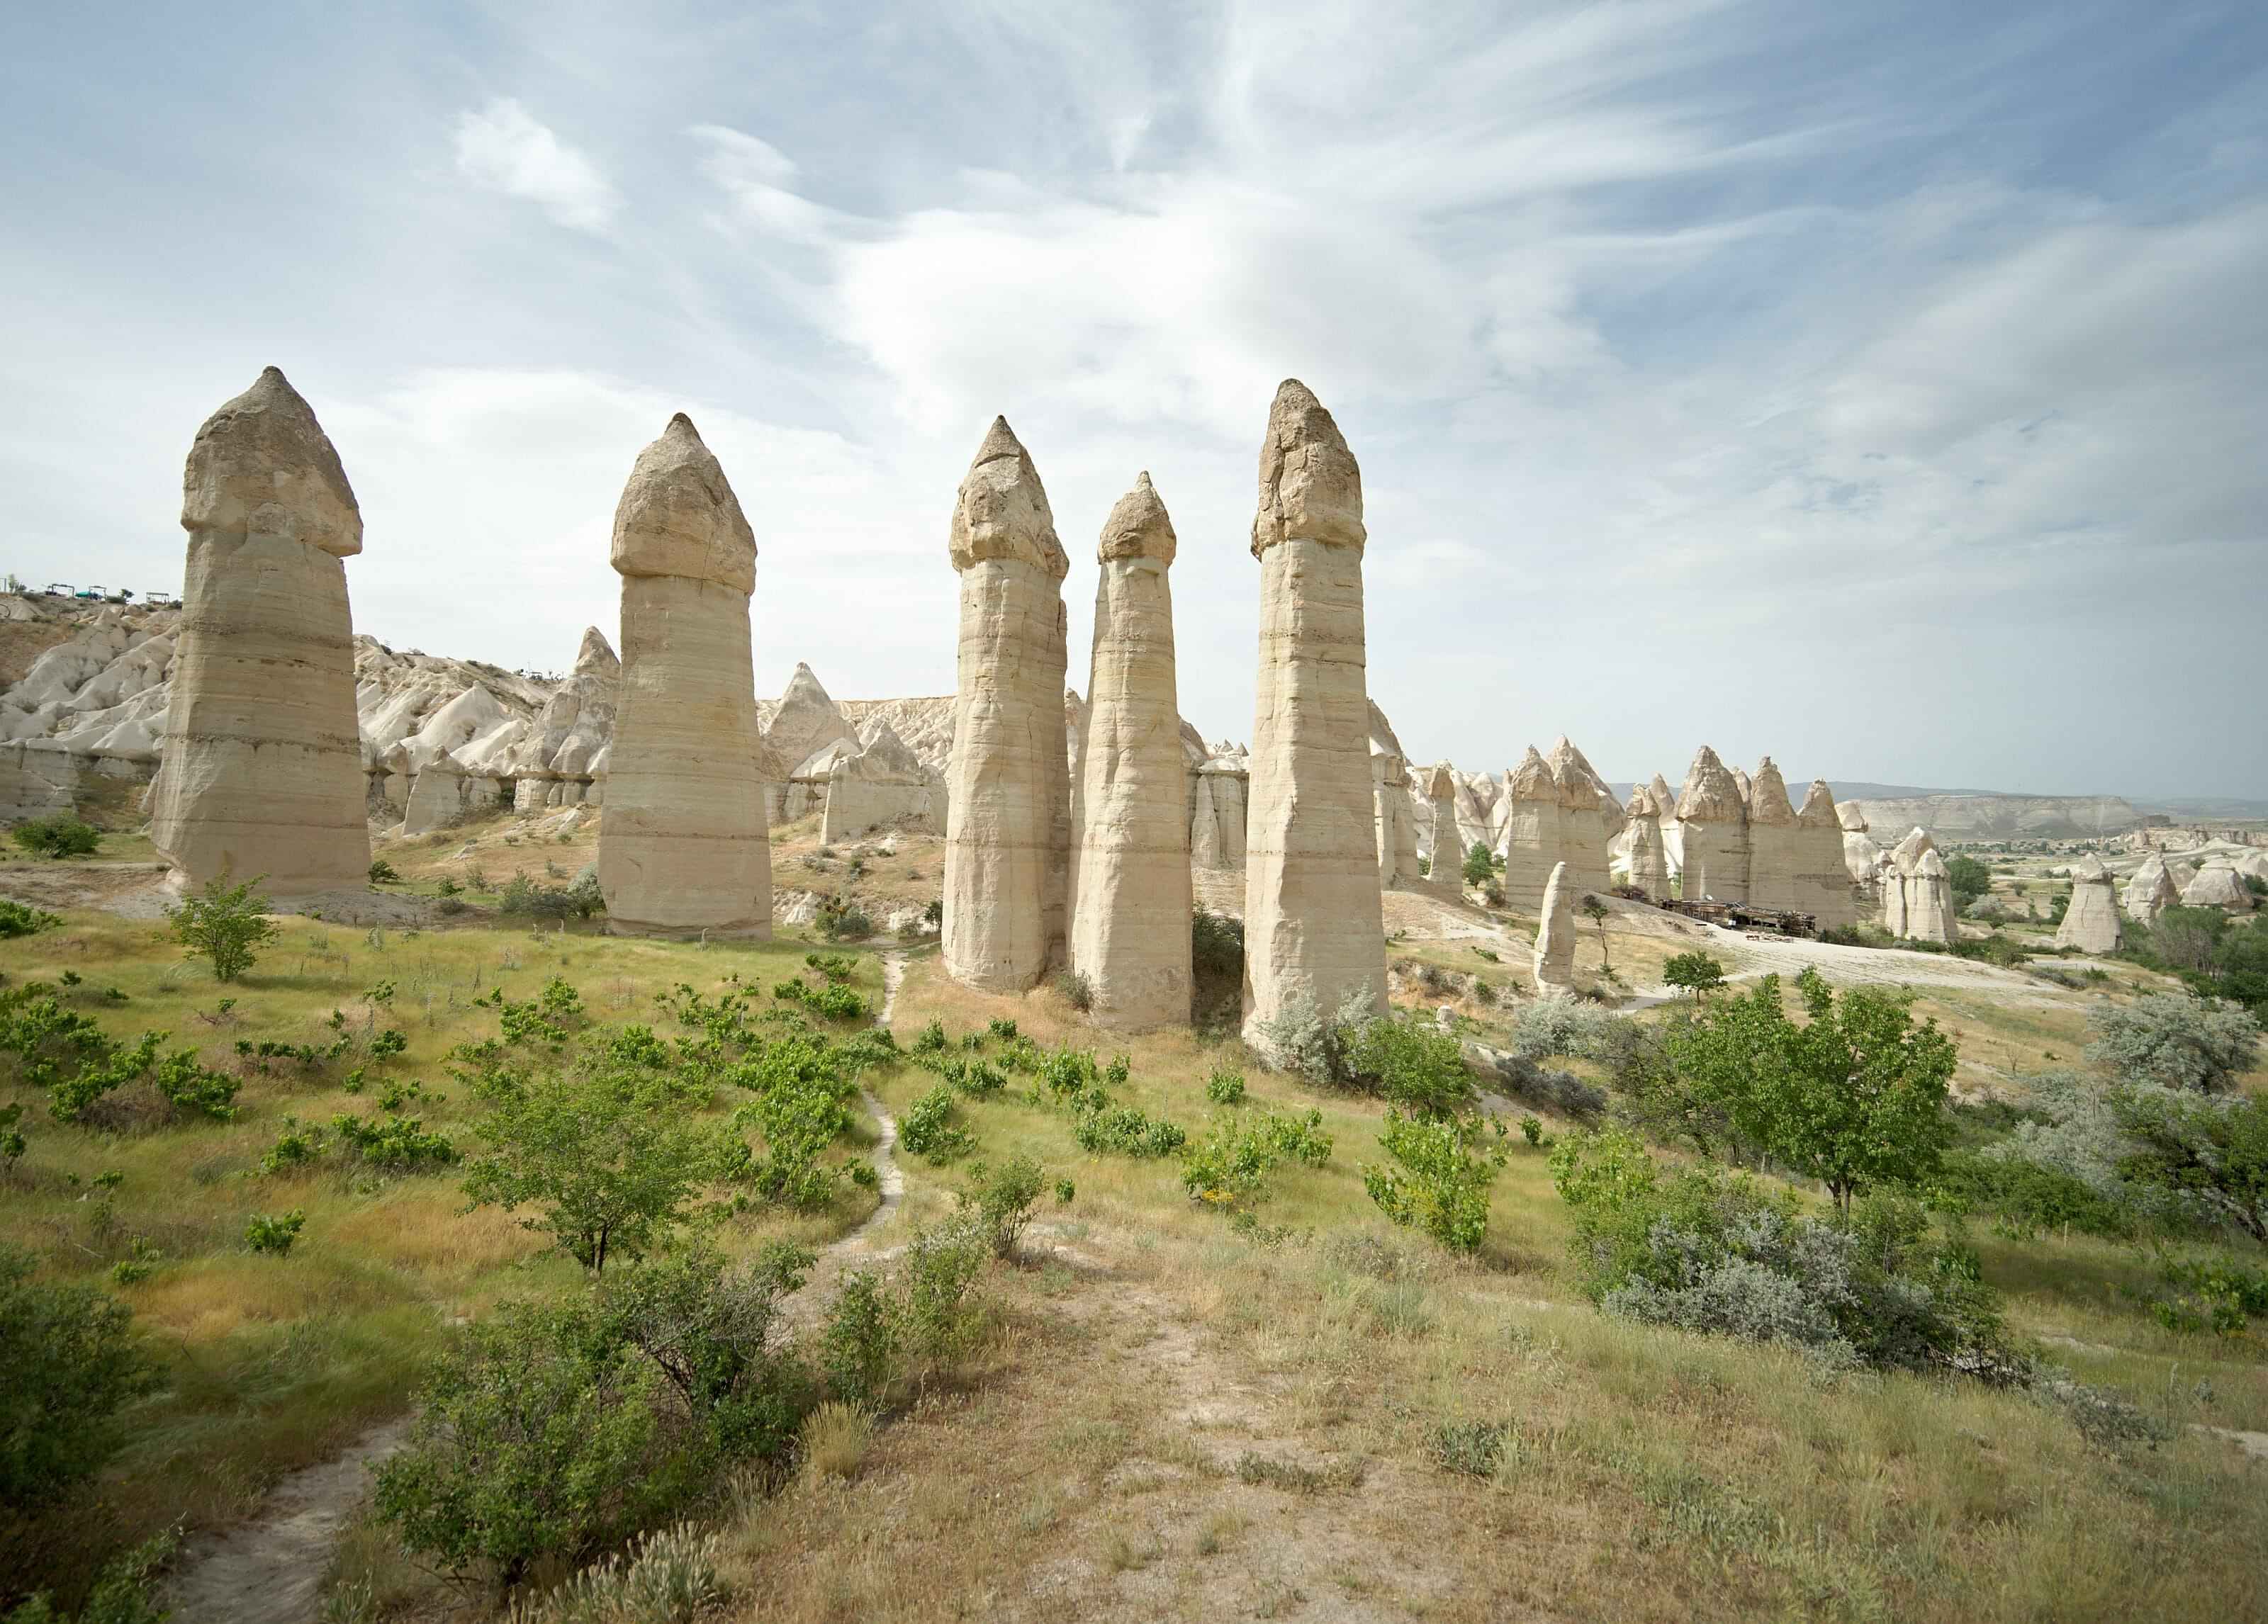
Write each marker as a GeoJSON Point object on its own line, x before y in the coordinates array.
{"type": "Point", "coordinates": [1311, 1415]}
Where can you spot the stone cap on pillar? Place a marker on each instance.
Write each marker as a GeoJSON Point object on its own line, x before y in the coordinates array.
{"type": "Point", "coordinates": [678, 516]}
{"type": "Point", "coordinates": [1137, 527]}
{"type": "Point", "coordinates": [1002, 510]}
{"type": "Point", "coordinates": [1310, 485]}
{"type": "Point", "coordinates": [262, 464]}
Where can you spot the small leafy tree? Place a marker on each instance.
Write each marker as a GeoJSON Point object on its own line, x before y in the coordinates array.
{"type": "Point", "coordinates": [1595, 911]}
{"type": "Point", "coordinates": [1410, 1061]}
{"type": "Point", "coordinates": [223, 925]}
{"type": "Point", "coordinates": [69, 1364]}
{"type": "Point", "coordinates": [1968, 879]}
{"type": "Point", "coordinates": [61, 835]}
{"type": "Point", "coordinates": [1439, 1183]}
{"type": "Point", "coordinates": [608, 1152]}
{"type": "Point", "coordinates": [1697, 973]}
{"type": "Point", "coordinates": [2213, 1152]}
{"type": "Point", "coordinates": [1853, 1098]}
{"type": "Point", "coordinates": [1480, 867]}
{"type": "Point", "coordinates": [2172, 1040]}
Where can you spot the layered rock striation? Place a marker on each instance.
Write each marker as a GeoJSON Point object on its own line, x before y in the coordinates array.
{"type": "Point", "coordinates": [262, 771]}
{"type": "Point", "coordinates": [1007, 844]}
{"type": "Point", "coordinates": [1712, 817]}
{"type": "Point", "coordinates": [2091, 924]}
{"type": "Point", "coordinates": [1314, 925]}
{"type": "Point", "coordinates": [683, 849]}
{"type": "Point", "coordinates": [1131, 907]}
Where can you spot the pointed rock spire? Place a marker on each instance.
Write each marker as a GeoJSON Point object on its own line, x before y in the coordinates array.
{"type": "Point", "coordinates": [1137, 527]}
{"type": "Point", "coordinates": [262, 464]}
{"type": "Point", "coordinates": [1310, 485]}
{"type": "Point", "coordinates": [678, 515]}
{"type": "Point", "coordinates": [1002, 510]}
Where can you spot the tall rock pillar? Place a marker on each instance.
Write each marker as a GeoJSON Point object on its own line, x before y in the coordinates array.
{"type": "Point", "coordinates": [1131, 912]}
{"type": "Point", "coordinates": [1649, 864]}
{"type": "Point", "coordinates": [1554, 935]}
{"type": "Point", "coordinates": [683, 850]}
{"type": "Point", "coordinates": [1535, 833]}
{"type": "Point", "coordinates": [1823, 882]}
{"type": "Point", "coordinates": [262, 772]}
{"type": "Point", "coordinates": [1008, 841]}
{"type": "Point", "coordinates": [1713, 817]}
{"type": "Point", "coordinates": [1446, 862]}
{"type": "Point", "coordinates": [1314, 926]}
{"type": "Point", "coordinates": [1773, 855]}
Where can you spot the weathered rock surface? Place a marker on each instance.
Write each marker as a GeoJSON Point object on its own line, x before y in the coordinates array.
{"type": "Point", "coordinates": [2003, 816]}
{"type": "Point", "coordinates": [1773, 858]}
{"type": "Point", "coordinates": [263, 764]}
{"type": "Point", "coordinates": [2151, 890]}
{"type": "Point", "coordinates": [1129, 915]}
{"type": "Point", "coordinates": [683, 849]}
{"type": "Point", "coordinates": [1713, 817]}
{"type": "Point", "coordinates": [1554, 936]}
{"type": "Point", "coordinates": [1445, 855]}
{"type": "Point", "coordinates": [1918, 892]}
{"type": "Point", "coordinates": [881, 784]}
{"type": "Point", "coordinates": [2091, 922]}
{"type": "Point", "coordinates": [1583, 800]}
{"type": "Point", "coordinates": [1394, 821]}
{"type": "Point", "coordinates": [1535, 840]}
{"type": "Point", "coordinates": [1649, 864]}
{"type": "Point", "coordinates": [2217, 884]}
{"type": "Point", "coordinates": [1007, 853]}
{"type": "Point", "coordinates": [1823, 875]}
{"type": "Point", "coordinates": [1313, 929]}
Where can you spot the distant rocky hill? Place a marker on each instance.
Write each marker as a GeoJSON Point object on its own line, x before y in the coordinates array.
{"type": "Point", "coordinates": [1986, 817]}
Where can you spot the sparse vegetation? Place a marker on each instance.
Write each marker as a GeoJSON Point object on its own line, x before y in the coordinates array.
{"type": "Point", "coordinates": [60, 836]}
{"type": "Point", "coordinates": [225, 925]}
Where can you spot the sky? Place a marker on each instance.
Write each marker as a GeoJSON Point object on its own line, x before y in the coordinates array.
{"type": "Point", "coordinates": [1883, 387]}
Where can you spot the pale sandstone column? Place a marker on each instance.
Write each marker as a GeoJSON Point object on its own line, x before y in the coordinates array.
{"type": "Point", "coordinates": [1649, 866]}
{"type": "Point", "coordinates": [1772, 842]}
{"type": "Point", "coordinates": [1448, 859]}
{"type": "Point", "coordinates": [1535, 833]}
{"type": "Point", "coordinates": [2151, 891]}
{"type": "Point", "coordinates": [1007, 844]}
{"type": "Point", "coordinates": [2091, 922]}
{"type": "Point", "coordinates": [262, 769]}
{"type": "Point", "coordinates": [1130, 915]}
{"type": "Point", "coordinates": [1555, 935]}
{"type": "Point", "coordinates": [1822, 877]}
{"type": "Point", "coordinates": [683, 849]}
{"type": "Point", "coordinates": [1582, 819]}
{"type": "Point", "coordinates": [1314, 925]}
{"type": "Point", "coordinates": [1712, 816]}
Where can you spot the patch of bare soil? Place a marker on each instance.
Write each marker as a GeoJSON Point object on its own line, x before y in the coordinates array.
{"type": "Point", "coordinates": [130, 889]}
{"type": "Point", "coordinates": [270, 1571]}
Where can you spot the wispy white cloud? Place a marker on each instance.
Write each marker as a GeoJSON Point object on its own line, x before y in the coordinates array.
{"type": "Point", "coordinates": [504, 149]}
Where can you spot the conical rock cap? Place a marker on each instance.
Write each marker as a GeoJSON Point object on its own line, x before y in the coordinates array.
{"type": "Point", "coordinates": [1768, 802]}
{"type": "Point", "coordinates": [1818, 811]}
{"type": "Point", "coordinates": [1711, 795]}
{"type": "Point", "coordinates": [1137, 527]}
{"type": "Point", "coordinates": [1001, 510]}
{"type": "Point", "coordinates": [596, 656]}
{"type": "Point", "coordinates": [261, 464]}
{"type": "Point", "coordinates": [1310, 485]}
{"type": "Point", "coordinates": [678, 516]}
{"type": "Point", "coordinates": [1531, 779]}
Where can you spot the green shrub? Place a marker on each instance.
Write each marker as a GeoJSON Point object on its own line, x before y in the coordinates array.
{"type": "Point", "coordinates": [1225, 1086]}
{"type": "Point", "coordinates": [275, 1232]}
{"type": "Point", "coordinates": [61, 835]}
{"type": "Point", "coordinates": [1441, 1182]}
{"type": "Point", "coordinates": [124, 1592]}
{"type": "Point", "coordinates": [608, 1151]}
{"type": "Point", "coordinates": [2173, 1040]}
{"type": "Point", "coordinates": [1479, 867]}
{"type": "Point", "coordinates": [998, 1201]}
{"type": "Point", "coordinates": [2025, 1198]}
{"type": "Point", "coordinates": [1708, 1251]}
{"type": "Point", "coordinates": [560, 1429]}
{"type": "Point", "coordinates": [1474, 1448]}
{"type": "Point", "coordinates": [2220, 1294]}
{"type": "Point", "coordinates": [392, 1143]}
{"type": "Point", "coordinates": [224, 925]}
{"type": "Point", "coordinates": [382, 873]}
{"type": "Point", "coordinates": [70, 1363]}
{"type": "Point", "coordinates": [1696, 973]}
{"type": "Point", "coordinates": [188, 1086]}
{"type": "Point", "coordinates": [844, 921]}
{"type": "Point", "coordinates": [18, 920]}
{"type": "Point", "coordinates": [857, 1348]}
{"type": "Point", "coordinates": [1229, 1166]}
{"type": "Point", "coordinates": [1076, 987]}
{"type": "Point", "coordinates": [933, 1040]}
{"type": "Point", "coordinates": [1123, 1130]}
{"type": "Point", "coordinates": [1001, 1026]}
{"type": "Point", "coordinates": [928, 1129]}
{"type": "Point", "coordinates": [1409, 1060]}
